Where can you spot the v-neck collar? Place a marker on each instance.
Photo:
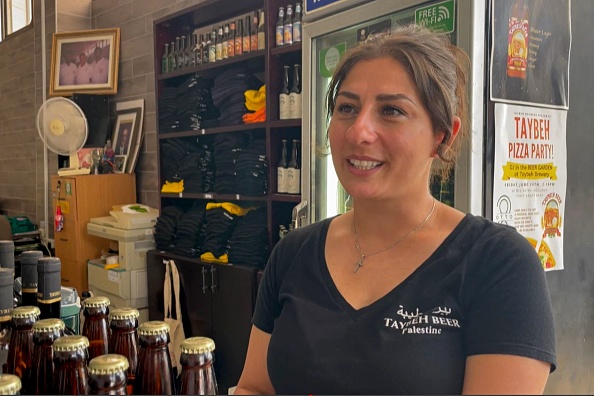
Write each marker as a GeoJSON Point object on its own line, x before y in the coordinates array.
{"type": "Point", "coordinates": [385, 299]}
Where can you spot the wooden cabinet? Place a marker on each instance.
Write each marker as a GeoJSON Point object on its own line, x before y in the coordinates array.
{"type": "Point", "coordinates": [217, 301]}
{"type": "Point", "coordinates": [82, 198]}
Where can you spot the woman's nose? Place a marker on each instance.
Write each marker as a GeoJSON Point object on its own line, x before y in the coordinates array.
{"type": "Point", "coordinates": [362, 130]}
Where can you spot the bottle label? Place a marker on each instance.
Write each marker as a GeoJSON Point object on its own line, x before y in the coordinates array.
{"type": "Point", "coordinates": [231, 48]}
{"type": "Point", "coordinates": [295, 105]}
{"type": "Point", "coordinates": [212, 53]}
{"type": "Point", "coordinates": [261, 40]}
{"type": "Point", "coordinates": [254, 42]}
{"type": "Point", "coordinates": [294, 181]}
{"type": "Point", "coordinates": [246, 44]}
{"type": "Point", "coordinates": [47, 293]}
{"type": "Point", "coordinates": [281, 176]}
{"type": "Point", "coordinates": [288, 31]}
{"type": "Point", "coordinates": [219, 51]}
{"type": "Point", "coordinates": [296, 32]}
{"type": "Point", "coordinates": [224, 50]}
{"type": "Point", "coordinates": [238, 46]}
{"type": "Point", "coordinates": [517, 50]}
{"type": "Point", "coordinates": [283, 106]}
{"type": "Point", "coordinates": [279, 35]}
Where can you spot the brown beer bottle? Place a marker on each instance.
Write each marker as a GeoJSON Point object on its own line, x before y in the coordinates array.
{"type": "Point", "coordinates": [70, 359]}
{"type": "Point", "coordinates": [95, 328]}
{"type": "Point", "coordinates": [154, 375]}
{"type": "Point", "coordinates": [40, 378]}
{"type": "Point", "coordinates": [9, 384]}
{"type": "Point", "coordinates": [198, 375]}
{"type": "Point", "coordinates": [49, 288]}
{"type": "Point", "coordinates": [20, 348]}
{"type": "Point", "coordinates": [28, 260]}
{"type": "Point", "coordinates": [6, 304]}
{"type": "Point", "coordinates": [517, 40]}
{"type": "Point", "coordinates": [123, 339]}
{"type": "Point", "coordinates": [107, 375]}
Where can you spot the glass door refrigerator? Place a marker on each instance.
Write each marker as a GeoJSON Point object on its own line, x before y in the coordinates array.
{"type": "Point", "coordinates": [333, 26]}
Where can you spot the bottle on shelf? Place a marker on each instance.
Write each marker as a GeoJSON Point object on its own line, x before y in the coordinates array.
{"type": "Point", "coordinates": [231, 40]}
{"type": "Point", "coordinates": [197, 49]}
{"type": "Point", "coordinates": [288, 26]}
{"type": "Point", "coordinates": [262, 31]}
{"type": "Point", "coordinates": [10, 384]}
{"type": "Point", "coordinates": [225, 43]}
{"type": "Point", "coordinates": [20, 348]}
{"type": "Point", "coordinates": [123, 339]}
{"type": "Point", "coordinates": [294, 173]}
{"type": "Point", "coordinates": [219, 44]}
{"type": "Point", "coordinates": [172, 64]}
{"type": "Point", "coordinates": [29, 261]}
{"type": "Point", "coordinates": [107, 375]}
{"type": "Point", "coordinates": [205, 44]}
{"type": "Point", "coordinates": [283, 98]}
{"type": "Point", "coordinates": [190, 58]}
{"type": "Point", "coordinates": [6, 304]}
{"type": "Point", "coordinates": [154, 375]}
{"type": "Point", "coordinates": [165, 60]}
{"type": "Point", "coordinates": [254, 32]}
{"type": "Point", "coordinates": [96, 327]}
{"type": "Point", "coordinates": [178, 59]}
{"type": "Point", "coordinates": [295, 94]}
{"type": "Point", "coordinates": [239, 38]}
{"type": "Point", "coordinates": [49, 289]}
{"type": "Point", "coordinates": [7, 254]}
{"type": "Point", "coordinates": [197, 374]}
{"type": "Point", "coordinates": [212, 47]}
{"type": "Point", "coordinates": [282, 170]}
{"type": "Point", "coordinates": [40, 378]}
{"type": "Point", "coordinates": [246, 35]}
{"type": "Point", "coordinates": [280, 27]}
{"type": "Point", "coordinates": [297, 23]}
{"type": "Point", "coordinates": [181, 55]}
{"type": "Point", "coordinates": [71, 375]}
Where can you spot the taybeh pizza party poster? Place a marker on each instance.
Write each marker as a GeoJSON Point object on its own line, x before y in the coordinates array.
{"type": "Point", "coordinates": [530, 177]}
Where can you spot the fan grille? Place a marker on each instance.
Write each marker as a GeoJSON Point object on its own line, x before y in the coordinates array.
{"type": "Point", "coordinates": [62, 126]}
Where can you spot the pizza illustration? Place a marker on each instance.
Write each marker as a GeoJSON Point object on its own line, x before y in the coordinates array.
{"type": "Point", "coordinates": [546, 256]}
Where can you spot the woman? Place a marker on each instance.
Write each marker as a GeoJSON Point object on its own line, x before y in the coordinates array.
{"type": "Point", "coordinates": [402, 294]}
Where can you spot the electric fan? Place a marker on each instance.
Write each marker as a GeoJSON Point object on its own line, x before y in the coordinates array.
{"type": "Point", "coordinates": [63, 128]}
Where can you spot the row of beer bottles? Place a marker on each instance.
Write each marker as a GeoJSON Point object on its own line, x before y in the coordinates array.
{"type": "Point", "coordinates": [289, 172]}
{"type": "Point", "coordinates": [289, 101]}
{"type": "Point", "coordinates": [288, 27]}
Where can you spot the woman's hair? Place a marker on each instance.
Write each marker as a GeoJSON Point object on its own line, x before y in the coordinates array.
{"type": "Point", "coordinates": [438, 68]}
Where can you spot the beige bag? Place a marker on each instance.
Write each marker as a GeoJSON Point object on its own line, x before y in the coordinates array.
{"type": "Point", "coordinates": [177, 329]}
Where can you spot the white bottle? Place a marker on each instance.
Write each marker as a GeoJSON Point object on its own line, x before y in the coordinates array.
{"type": "Point", "coordinates": [295, 94]}
{"type": "Point", "coordinates": [283, 98]}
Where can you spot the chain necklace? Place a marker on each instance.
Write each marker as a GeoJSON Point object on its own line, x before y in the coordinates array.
{"type": "Point", "coordinates": [359, 263]}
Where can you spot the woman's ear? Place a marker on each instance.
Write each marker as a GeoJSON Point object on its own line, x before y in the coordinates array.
{"type": "Point", "coordinates": [455, 129]}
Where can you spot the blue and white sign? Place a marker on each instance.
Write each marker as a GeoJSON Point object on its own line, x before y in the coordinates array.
{"type": "Point", "coordinates": [313, 5]}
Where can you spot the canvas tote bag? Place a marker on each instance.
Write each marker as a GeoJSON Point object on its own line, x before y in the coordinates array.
{"type": "Point", "coordinates": [177, 329]}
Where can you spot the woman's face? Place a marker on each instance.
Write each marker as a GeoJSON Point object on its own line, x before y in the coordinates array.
{"type": "Point", "coordinates": [380, 134]}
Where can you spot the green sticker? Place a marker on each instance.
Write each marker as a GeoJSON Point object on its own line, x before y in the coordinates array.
{"type": "Point", "coordinates": [68, 189]}
{"type": "Point", "coordinates": [438, 17]}
{"type": "Point", "coordinates": [329, 58]}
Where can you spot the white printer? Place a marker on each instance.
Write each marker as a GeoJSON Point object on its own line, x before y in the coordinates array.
{"type": "Point", "coordinates": [123, 278]}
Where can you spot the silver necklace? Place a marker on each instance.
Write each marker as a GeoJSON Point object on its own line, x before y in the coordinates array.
{"type": "Point", "coordinates": [359, 263]}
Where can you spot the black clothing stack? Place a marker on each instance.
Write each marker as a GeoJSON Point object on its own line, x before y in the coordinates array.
{"type": "Point", "coordinates": [251, 169]}
{"type": "Point", "coordinates": [190, 232]}
{"type": "Point", "coordinates": [192, 163]}
{"type": "Point", "coordinates": [225, 157]}
{"type": "Point", "coordinates": [188, 106]}
{"type": "Point", "coordinates": [165, 228]}
{"type": "Point", "coordinates": [249, 242]}
{"type": "Point", "coordinates": [228, 94]}
{"type": "Point", "coordinates": [219, 227]}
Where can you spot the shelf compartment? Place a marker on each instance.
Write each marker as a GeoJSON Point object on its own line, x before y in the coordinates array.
{"type": "Point", "coordinates": [212, 131]}
{"type": "Point", "coordinates": [286, 49]}
{"type": "Point", "coordinates": [246, 57]}
{"type": "Point", "coordinates": [286, 198]}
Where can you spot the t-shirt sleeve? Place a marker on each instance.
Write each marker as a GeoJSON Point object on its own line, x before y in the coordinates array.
{"type": "Point", "coordinates": [508, 307]}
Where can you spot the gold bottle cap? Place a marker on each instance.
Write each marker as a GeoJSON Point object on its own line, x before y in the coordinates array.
{"type": "Point", "coordinates": [108, 364]}
{"type": "Point", "coordinates": [9, 384]}
{"type": "Point", "coordinates": [96, 302]}
{"type": "Point", "coordinates": [153, 327]}
{"type": "Point", "coordinates": [124, 313]}
{"type": "Point", "coordinates": [48, 325]}
{"type": "Point", "coordinates": [25, 312]}
{"type": "Point", "coordinates": [70, 343]}
{"type": "Point", "coordinates": [195, 345]}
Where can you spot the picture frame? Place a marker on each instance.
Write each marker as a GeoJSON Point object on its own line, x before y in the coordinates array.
{"type": "Point", "coordinates": [136, 107]}
{"type": "Point", "coordinates": [85, 61]}
{"type": "Point", "coordinates": [121, 141]}
{"type": "Point", "coordinates": [119, 163]}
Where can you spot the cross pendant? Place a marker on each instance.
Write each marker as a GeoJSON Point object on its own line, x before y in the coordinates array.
{"type": "Point", "coordinates": [358, 265]}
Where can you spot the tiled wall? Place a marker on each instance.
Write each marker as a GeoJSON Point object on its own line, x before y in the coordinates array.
{"type": "Point", "coordinates": [22, 186]}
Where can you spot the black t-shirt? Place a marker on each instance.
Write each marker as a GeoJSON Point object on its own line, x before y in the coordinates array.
{"type": "Point", "coordinates": [483, 291]}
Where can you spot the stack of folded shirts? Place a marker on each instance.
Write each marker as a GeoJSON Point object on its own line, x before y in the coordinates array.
{"type": "Point", "coordinates": [228, 93]}
{"type": "Point", "coordinates": [251, 169]}
{"type": "Point", "coordinates": [192, 163]}
{"type": "Point", "coordinates": [225, 151]}
{"type": "Point", "coordinates": [190, 232]}
{"type": "Point", "coordinates": [165, 228]}
{"type": "Point", "coordinates": [249, 242]}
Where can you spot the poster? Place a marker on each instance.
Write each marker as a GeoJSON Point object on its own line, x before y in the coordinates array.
{"type": "Point", "coordinates": [530, 52]}
{"type": "Point", "coordinates": [530, 176]}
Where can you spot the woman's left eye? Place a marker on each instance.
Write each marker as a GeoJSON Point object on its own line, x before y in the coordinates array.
{"type": "Point", "coordinates": [390, 111]}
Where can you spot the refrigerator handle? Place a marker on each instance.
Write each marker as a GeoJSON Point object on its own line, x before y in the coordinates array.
{"type": "Point", "coordinates": [299, 213]}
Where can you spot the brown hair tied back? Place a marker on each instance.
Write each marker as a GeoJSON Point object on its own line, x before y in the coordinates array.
{"type": "Point", "coordinates": [438, 68]}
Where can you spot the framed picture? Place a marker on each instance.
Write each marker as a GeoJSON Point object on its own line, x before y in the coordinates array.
{"type": "Point", "coordinates": [120, 163]}
{"type": "Point", "coordinates": [122, 134]}
{"type": "Point", "coordinates": [128, 108]}
{"type": "Point", "coordinates": [85, 62]}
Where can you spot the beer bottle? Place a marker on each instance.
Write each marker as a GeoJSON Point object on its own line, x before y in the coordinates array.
{"type": "Point", "coordinates": [254, 32]}
{"type": "Point", "coordinates": [297, 23]}
{"type": "Point", "coordinates": [225, 43]}
{"type": "Point", "coordinates": [49, 289]}
{"type": "Point", "coordinates": [246, 43]}
{"type": "Point", "coordinates": [40, 378]}
{"type": "Point", "coordinates": [96, 328]}
{"type": "Point", "coordinates": [239, 38]}
{"type": "Point", "coordinates": [154, 375]}
{"type": "Point", "coordinates": [231, 40]}
{"type": "Point", "coordinates": [70, 361]}
{"type": "Point", "coordinates": [165, 60]}
{"type": "Point", "coordinates": [7, 254]}
{"type": "Point", "coordinates": [20, 347]}
{"type": "Point", "coordinates": [172, 60]}
{"type": "Point", "coordinates": [283, 98]}
{"type": "Point", "coordinates": [6, 293]}
{"type": "Point", "coordinates": [107, 375]}
{"type": "Point", "coordinates": [9, 384]}
{"type": "Point", "coordinates": [282, 170]}
{"type": "Point", "coordinates": [295, 95]}
{"type": "Point", "coordinates": [122, 341]}
{"type": "Point", "coordinates": [219, 44]}
{"type": "Point", "coordinates": [280, 28]}
{"type": "Point", "coordinates": [198, 375]}
{"type": "Point", "coordinates": [288, 26]}
{"type": "Point", "coordinates": [28, 261]}
{"type": "Point", "coordinates": [262, 31]}
{"type": "Point", "coordinates": [294, 183]}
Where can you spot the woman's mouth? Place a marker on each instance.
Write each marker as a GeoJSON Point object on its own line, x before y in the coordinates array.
{"type": "Point", "coordinates": [364, 165]}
